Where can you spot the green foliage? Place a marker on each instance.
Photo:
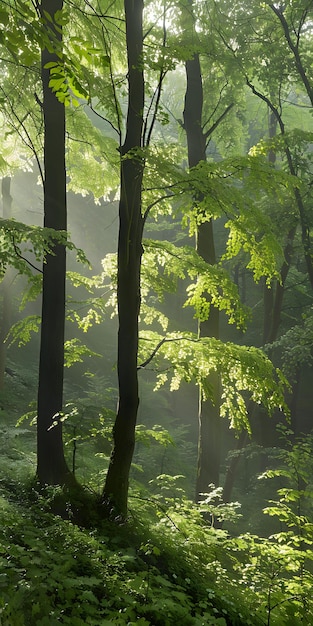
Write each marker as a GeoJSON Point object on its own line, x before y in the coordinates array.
{"type": "Point", "coordinates": [64, 84]}
{"type": "Point", "coordinates": [164, 263]}
{"type": "Point", "coordinates": [21, 332]}
{"type": "Point", "coordinates": [156, 433]}
{"type": "Point", "coordinates": [53, 570]}
{"type": "Point", "coordinates": [213, 507]}
{"type": "Point", "coordinates": [92, 158]}
{"type": "Point", "coordinates": [283, 563]}
{"type": "Point", "coordinates": [170, 562]}
{"type": "Point", "coordinates": [76, 352]}
{"type": "Point", "coordinates": [185, 357]}
{"type": "Point", "coordinates": [18, 240]}
{"type": "Point", "coordinates": [295, 346]}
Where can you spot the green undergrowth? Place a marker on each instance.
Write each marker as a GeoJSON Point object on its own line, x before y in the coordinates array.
{"type": "Point", "coordinates": [165, 565]}
{"type": "Point", "coordinates": [65, 559]}
{"type": "Point", "coordinates": [136, 572]}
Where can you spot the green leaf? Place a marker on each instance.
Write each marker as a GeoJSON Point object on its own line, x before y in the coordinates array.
{"type": "Point", "coordinates": [4, 17]}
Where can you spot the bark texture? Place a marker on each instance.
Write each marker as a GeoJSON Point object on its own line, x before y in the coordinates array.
{"type": "Point", "coordinates": [129, 266]}
{"type": "Point", "coordinates": [51, 465]}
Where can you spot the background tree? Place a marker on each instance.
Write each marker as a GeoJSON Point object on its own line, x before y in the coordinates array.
{"type": "Point", "coordinates": [225, 184]}
{"type": "Point", "coordinates": [6, 284]}
{"type": "Point", "coordinates": [271, 53]}
{"type": "Point", "coordinates": [209, 442]}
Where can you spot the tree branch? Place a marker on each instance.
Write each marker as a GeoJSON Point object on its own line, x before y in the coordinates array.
{"type": "Point", "coordinates": [218, 121]}
{"type": "Point", "coordinates": [152, 355]}
{"type": "Point", "coordinates": [20, 256]}
{"type": "Point", "coordinates": [294, 49]}
{"type": "Point", "coordinates": [157, 93]}
{"type": "Point", "coordinates": [269, 103]}
{"type": "Point", "coordinates": [21, 123]}
{"type": "Point", "coordinates": [105, 119]}
{"type": "Point", "coordinates": [150, 206]}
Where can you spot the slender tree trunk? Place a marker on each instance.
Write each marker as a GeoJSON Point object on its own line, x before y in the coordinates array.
{"type": "Point", "coordinates": [273, 298]}
{"type": "Point", "coordinates": [129, 266]}
{"type": "Point", "coordinates": [275, 318]}
{"type": "Point", "coordinates": [6, 284]}
{"type": "Point", "coordinates": [209, 434]}
{"type": "Point", "coordinates": [295, 389]}
{"type": "Point", "coordinates": [231, 472]}
{"type": "Point", "coordinates": [51, 464]}
{"type": "Point", "coordinates": [209, 438]}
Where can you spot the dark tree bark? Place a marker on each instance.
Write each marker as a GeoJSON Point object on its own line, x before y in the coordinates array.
{"type": "Point", "coordinates": [6, 283]}
{"type": "Point", "coordinates": [129, 265]}
{"type": "Point", "coordinates": [51, 465]}
{"type": "Point", "coordinates": [209, 434]}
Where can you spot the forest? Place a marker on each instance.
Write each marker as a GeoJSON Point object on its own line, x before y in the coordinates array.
{"type": "Point", "coordinates": [156, 322]}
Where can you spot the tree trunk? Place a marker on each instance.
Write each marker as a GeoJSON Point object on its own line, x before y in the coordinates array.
{"type": "Point", "coordinates": [231, 472]}
{"type": "Point", "coordinates": [129, 266]}
{"type": "Point", "coordinates": [6, 284]}
{"type": "Point", "coordinates": [51, 465]}
{"type": "Point", "coordinates": [209, 434]}
{"type": "Point", "coordinates": [209, 437]}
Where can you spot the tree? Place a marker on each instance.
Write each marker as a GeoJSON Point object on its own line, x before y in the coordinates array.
{"type": "Point", "coordinates": [202, 363]}
{"type": "Point", "coordinates": [51, 465]}
{"type": "Point", "coordinates": [271, 52]}
{"type": "Point", "coordinates": [6, 283]}
{"type": "Point", "coordinates": [131, 224]}
{"type": "Point", "coordinates": [209, 442]}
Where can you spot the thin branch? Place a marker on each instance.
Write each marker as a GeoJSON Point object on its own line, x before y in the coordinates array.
{"type": "Point", "coordinates": [75, 139]}
{"type": "Point", "coordinates": [30, 144]}
{"type": "Point", "coordinates": [150, 206]}
{"type": "Point", "coordinates": [113, 82]}
{"type": "Point", "coordinates": [105, 119]}
{"type": "Point", "coordinates": [294, 49]}
{"type": "Point", "coordinates": [145, 124]}
{"type": "Point", "coordinates": [157, 92]}
{"type": "Point", "coordinates": [35, 4]}
{"type": "Point", "coordinates": [296, 104]}
{"type": "Point", "coordinates": [295, 597]}
{"type": "Point", "coordinates": [152, 355]}
{"type": "Point", "coordinates": [156, 108]}
{"type": "Point", "coordinates": [269, 104]}
{"type": "Point", "coordinates": [172, 185]}
{"type": "Point", "coordinates": [209, 132]}
{"type": "Point", "coordinates": [177, 119]}
{"type": "Point", "coordinates": [305, 229]}
{"type": "Point", "coordinates": [95, 13]}
{"type": "Point", "coordinates": [163, 509]}
{"type": "Point", "coordinates": [20, 256]}
{"type": "Point", "coordinates": [216, 106]}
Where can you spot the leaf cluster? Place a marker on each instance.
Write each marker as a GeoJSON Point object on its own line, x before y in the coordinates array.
{"type": "Point", "coordinates": [244, 371]}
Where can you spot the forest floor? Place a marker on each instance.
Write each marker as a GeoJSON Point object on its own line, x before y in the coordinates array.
{"type": "Point", "coordinates": [63, 561]}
